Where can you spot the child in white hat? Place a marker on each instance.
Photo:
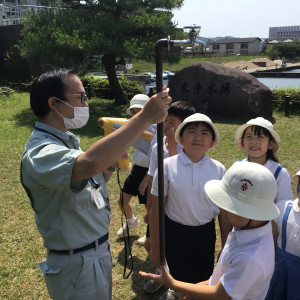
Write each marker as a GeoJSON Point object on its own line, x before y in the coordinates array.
{"type": "Point", "coordinates": [189, 214]}
{"type": "Point", "coordinates": [246, 194]}
{"type": "Point", "coordinates": [285, 280]}
{"type": "Point", "coordinates": [260, 142]}
{"type": "Point", "coordinates": [139, 170]}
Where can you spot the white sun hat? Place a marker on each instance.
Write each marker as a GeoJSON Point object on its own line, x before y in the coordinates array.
{"type": "Point", "coordinates": [296, 175]}
{"type": "Point", "coordinates": [198, 118]}
{"type": "Point", "coordinates": [138, 101]}
{"type": "Point", "coordinates": [247, 190]}
{"type": "Point", "coordinates": [259, 121]}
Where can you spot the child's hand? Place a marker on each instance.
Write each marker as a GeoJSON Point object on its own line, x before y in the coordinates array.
{"type": "Point", "coordinates": [146, 216]}
{"type": "Point", "coordinates": [165, 277]}
{"type": "Point", "coordinates": [143, 185]}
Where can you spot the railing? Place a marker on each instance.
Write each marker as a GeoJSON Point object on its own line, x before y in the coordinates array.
{"type": "Point", "coordinates": [12, 15]}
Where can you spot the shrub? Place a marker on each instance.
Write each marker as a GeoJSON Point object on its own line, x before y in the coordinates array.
{"type": "Point", "coordinates": [99, 87]}
{"type": "Point", "coordinates": [279, 96]}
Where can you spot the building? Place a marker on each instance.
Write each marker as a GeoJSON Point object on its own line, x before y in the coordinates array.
{"type": "Point", "coordinates": [12, 11]}
{"type": "Point", "coordinates": [236, 46]}
{"type": "Point", "coordinates": [283, 32]}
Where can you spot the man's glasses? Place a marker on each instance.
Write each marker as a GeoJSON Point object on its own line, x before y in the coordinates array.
{"type": "Point", "coordinates": [83, 97]}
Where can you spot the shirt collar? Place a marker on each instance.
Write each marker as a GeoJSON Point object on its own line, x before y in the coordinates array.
{"type": "Point", "coordinates": [186, 160]}
{"type": "Point", "coordinates": [66, 136]}
{"type": "Point", "coordinates": [249, 235]}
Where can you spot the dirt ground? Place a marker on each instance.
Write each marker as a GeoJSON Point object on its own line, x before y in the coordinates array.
{"type": "Point", "coordinates": [251, 66]}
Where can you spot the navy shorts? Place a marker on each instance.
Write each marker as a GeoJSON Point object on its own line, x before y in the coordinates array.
{"type": "Point", "coordinates": [132, 182]}
{"type": "Point", "coordinates": [190, 250]}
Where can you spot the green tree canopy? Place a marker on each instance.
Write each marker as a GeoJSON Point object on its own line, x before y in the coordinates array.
{"type": "Point", "coordinates": [81, 31]}
{"type": "Point", "coordinates": [285, 50]}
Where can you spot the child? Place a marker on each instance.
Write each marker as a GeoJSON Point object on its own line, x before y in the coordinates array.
{"type": "Point", "coordinates": [285, 280]}
{"type": "Point", "coordinates": [139, 170]}
{"type": "Point", "coordinates": [245, 267]}
{"type": "Point", "coordinates": [177, 112]}
{"type": "Point", "coordinates": [189, 214]}
{"type": "Point", "coordinates": [260, 142]}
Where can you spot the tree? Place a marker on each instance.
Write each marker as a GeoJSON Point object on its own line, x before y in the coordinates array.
{"type": "Point", "coordinates": [81, 31]}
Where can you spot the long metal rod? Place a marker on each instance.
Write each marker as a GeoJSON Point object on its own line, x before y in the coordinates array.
{"type": "Point", "coordinates": [160, 45]}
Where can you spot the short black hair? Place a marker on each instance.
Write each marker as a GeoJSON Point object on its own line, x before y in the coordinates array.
{"type": "Point", "coordinates": [49, 84]}
{"type": "Point", "coordinates": [197, 123]}
{"type": "Point", "coordinates": [181, 109]}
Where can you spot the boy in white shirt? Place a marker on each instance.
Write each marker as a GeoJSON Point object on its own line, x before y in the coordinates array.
{"type": "Point", "coordinates": [246, 194]}
{"type": "Point", "coordinates": [189, 214]}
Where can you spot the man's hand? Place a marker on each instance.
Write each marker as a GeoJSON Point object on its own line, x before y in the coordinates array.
{"type": "Point", "coordinates": [156, 108]}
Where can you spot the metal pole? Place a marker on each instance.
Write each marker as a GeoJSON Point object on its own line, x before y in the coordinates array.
{"type": "Point", "coordinates": [159, 47]}
{"type": "Point", "coordinates": [160, 159]}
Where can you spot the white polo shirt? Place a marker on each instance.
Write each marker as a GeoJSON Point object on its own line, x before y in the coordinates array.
{"type": "Point", "coordinates": [184, 181]}
{"type": "Point", "coordinates": [153, 157]}
{"type": "Point", "coordinates": [284, 191]}
{"type": "Point", "coordinates": [246, 264]}
{"type": "Point", "coordinates": [292, 227]}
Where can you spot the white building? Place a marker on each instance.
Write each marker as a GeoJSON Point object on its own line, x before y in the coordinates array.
{"type": "Point", "coordinates": [11, 11]}
{"type": "Point", "coordinates": [236, 46]}
{"type": "Point", "coordinates": [284, 32]}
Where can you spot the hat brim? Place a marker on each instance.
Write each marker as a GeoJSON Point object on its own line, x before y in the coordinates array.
{"type": "Point", "coordinates": [225, 199]}
{"type": "Point", "coordinates": [239, 133]}
{"type": "Point", "coordinates": [128, 111]}
{"type": "Point", "coordinates": [296, 175]}
{"type": "Point", "coordinates": [177, 132]}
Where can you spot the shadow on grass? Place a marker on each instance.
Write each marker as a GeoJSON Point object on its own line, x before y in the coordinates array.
{"type": "Point", "coordinates": [138, 265]}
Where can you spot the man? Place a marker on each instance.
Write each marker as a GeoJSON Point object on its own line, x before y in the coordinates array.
{"type": "Point", "coordinates": [67, 187]}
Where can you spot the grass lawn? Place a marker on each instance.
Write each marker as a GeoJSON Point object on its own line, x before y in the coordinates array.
{"type": "Point", "coordinates": [21, 246]}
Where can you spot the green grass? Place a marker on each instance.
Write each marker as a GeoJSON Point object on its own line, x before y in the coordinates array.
{"type": "Point", "coordinates": [21, 246]}
{"type": "Point", "coordinates": [140, 66]}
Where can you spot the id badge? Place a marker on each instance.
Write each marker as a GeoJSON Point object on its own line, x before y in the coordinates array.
{"type": "Point", "coordinates": [98, 198]}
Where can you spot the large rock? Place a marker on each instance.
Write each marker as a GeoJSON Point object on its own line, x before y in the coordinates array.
{"type": "Point", "coordinates": [220, 91]}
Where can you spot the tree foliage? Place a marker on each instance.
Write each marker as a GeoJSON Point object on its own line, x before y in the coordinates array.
{"type": "Point", "coordinates": [80, 32]}
{"type": "Point", "coordinates": [285, 50]}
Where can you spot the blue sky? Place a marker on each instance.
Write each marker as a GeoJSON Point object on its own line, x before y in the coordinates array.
{"type": "Point", "coordinates": [238, 18]}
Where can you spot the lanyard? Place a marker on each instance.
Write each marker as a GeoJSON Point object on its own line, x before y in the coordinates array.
{"type": "Point", "coordinates": [94, 183]}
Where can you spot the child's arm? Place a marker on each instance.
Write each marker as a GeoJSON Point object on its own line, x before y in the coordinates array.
{"type": "Point", "coordinates": [154, 232]}
{"type": "Point", "coordinates": [144, 183]}
{"type": "Point", "coordinates": [225, 227]}
{"type": "Point", "coordinates": [197, 291]}
{"type": "Point", "coordinates": [171, 142]}
{"type": "Point", "coordinates": [149, 201]}
{"type": "Point", "coordinates": [275, 232]}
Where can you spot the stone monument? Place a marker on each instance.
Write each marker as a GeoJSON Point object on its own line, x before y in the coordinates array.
{"type": "Point", "coordinates": [221, 91]}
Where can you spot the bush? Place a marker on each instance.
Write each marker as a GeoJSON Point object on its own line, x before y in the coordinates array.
{"type": "Point", "coordinates": [99, 87]}
{"type": "Point", "coordinates": [279, 96]}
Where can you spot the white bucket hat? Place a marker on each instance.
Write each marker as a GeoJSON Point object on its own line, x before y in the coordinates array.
{"type": "Point", "coordinates": [198, 118]}
{"type": "Point", "coordinates": [259, 121]}
{"type": "Point", "coordinates": [247, 190]}
{"type": "Point", "coordinates": [296, 175]}
{"type": "Point", "coordinates": [138, 101]}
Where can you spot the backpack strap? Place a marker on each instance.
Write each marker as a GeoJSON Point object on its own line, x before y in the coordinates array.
{"type": "Point", "coordinates": [284, 223]}
{"type": "Point", "coordinates": [280, 167]}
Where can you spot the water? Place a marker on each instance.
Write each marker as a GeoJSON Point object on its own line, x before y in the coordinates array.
{"type": "Point", "coordinates": [279, 83]}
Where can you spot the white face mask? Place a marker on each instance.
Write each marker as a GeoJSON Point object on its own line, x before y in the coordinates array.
{"type": "Point", "coordinates": [297, 191]}
{"type": "Point", "coordinates": [81, 116]}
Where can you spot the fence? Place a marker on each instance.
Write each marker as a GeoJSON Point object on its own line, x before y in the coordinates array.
{"type": "Point", "coordinates": [287, 105]}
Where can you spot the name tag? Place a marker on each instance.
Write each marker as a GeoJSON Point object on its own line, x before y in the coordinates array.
{"type": "Point", "coordinates": [98, 198]}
